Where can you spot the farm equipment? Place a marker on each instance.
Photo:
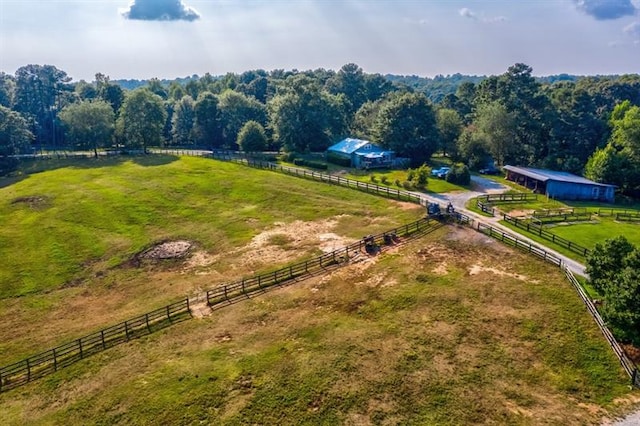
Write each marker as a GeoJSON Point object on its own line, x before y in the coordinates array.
{"type": "Point", "coordinates": [433, 209]}
{"type": "Point", "coordinates": [370, 245]}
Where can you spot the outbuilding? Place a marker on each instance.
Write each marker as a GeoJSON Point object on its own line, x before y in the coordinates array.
{"type": "Point", "coordinates": [359, 153]}
{"type": "Point", "coordinates": [560, 185]}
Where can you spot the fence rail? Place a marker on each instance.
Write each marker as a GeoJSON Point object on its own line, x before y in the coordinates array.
{"type": "Point", "coordinates": [518, 243]}
{"type": "Point", "coordinates": [385, 191]}
{"type": "Point", "coordinates": [538, 229]}
{"type": "Point", "coordinates": [42, 364]}
{"type": "Point", "coordinates": [627, 364]}
{"type": "Point", "coordinates": [483, 202]}
{"type": "Point", "coordinates": [628, 217]}
{"type": "Point", "coordinates": [241, 289]}
{"type": "Point", "coordinates": [509, 197]}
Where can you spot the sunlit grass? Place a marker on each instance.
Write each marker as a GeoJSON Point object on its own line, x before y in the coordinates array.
{"type": "Point", "coordinates": [410, 339]}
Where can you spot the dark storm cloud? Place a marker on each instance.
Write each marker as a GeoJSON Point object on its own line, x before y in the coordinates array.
{"type": "Point", "coordinates": [160, 10]}
{"type": "Point", "coordinates": [606, 9]}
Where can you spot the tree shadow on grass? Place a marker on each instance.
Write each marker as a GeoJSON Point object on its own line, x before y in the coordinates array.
{"type": "Point", "coordinates": [33, 166]}
{"type": "Point", "coordinates": [151, 160]}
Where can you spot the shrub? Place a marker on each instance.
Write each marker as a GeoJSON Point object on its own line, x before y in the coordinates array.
{"type": "Point", "coordinates": [398, 183]}
{"type": "Point", "coordinates": [384, 180]}
{"type": "Point", "coordinates": [459, 174]}
{"type": "Point", "coordinates": [411, 174]}
{"type": "Point", "coordinates": [422, 175]}
{"type": "Point", "coordinates": [308, 163]}
{"type": "Point", "coordinates": [340, 161]}
{"type": "Point", "coordinates": [408, 185]}
{"type": "Point", "coordinates": [289, 157]}
{"type": "Point", "coordinates": [374, 179]}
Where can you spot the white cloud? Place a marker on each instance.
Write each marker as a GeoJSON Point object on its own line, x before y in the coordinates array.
{"type": "Point", "coordinates": [633, 29]}
{"type": "Point", "coordinates": [465, 12]}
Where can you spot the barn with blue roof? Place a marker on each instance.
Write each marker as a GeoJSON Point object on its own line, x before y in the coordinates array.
{"type": "Point", "coordinates": [560, 185]}
{"type": "Point", "coordinates": [359, 153]}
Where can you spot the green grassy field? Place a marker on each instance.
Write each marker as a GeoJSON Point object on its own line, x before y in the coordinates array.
{"type": "Point", "coordinates": [67, 236]}
{"type": "Point", "coordinates": [449, 329]}
{"type": "Point", "coordinates": [588, 234]}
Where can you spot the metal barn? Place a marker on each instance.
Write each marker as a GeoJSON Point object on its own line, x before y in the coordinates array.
{"type": "Point", "coordinates": [560, 185]}
{"type": "Point", "coordinates": [361, 154]}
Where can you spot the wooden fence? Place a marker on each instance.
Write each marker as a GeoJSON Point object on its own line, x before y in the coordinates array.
{"type": "Point", "coordinates": [513, 240]}
{"type": "Point", "coordinates": [538, 229]}
{"type": "Point", "coordinates": [247, 286]}
{"type": "Point", "coordinates": [381, 190]}
{"type": "Point", "coordinates": [484, 202]}
{"type": "Point", "coordinates": [628, 217]}
{"type": "Point", "coordinates": [629, 366]}
{"type": "Point", "coordinates": [45, 363]}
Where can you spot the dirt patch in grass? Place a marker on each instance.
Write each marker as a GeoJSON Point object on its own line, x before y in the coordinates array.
{"type": "Point", "coordinates": [347, 348]}
{"type": "Point", "coordinates": [35, 202]}
{"type": "Point", "coordinates": [167, 250]}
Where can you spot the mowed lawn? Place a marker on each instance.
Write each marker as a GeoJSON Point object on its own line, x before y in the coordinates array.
{"type": "Point", "coordinates": [450, 329]}
{"type": "Point", "coordinates": [67, 236]}
{"type": "Point", "coordinates": [588, 234]}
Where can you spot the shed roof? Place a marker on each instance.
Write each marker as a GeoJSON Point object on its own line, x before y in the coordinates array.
{"type": "Point", "coordinates": [348, 145]}
{"type": "Point", "coordinates": [546, 175]}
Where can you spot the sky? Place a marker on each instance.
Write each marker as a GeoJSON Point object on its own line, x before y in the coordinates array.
{"type": "Point", "coordinates": [142, 39]}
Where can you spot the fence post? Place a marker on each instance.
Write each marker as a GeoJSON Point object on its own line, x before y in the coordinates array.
{"type": "Point", "coordinates": [28, 370]}
{"type": "Point", "coordinates": [290, 272]}
{"type": "Point", "coordinates": [126, 329]}
{"type": "Point", "coordinates": [102, 339]}
{"type": "Point", "coordinates": [169, 314]}
{"type": "Point", "coordinates": [80, 348]}
{"type": "Point", "coordinates": [146, 320]}
{"type": "Point", "coordinates": [0, 381]}
{"type": "Point", "coordinates": [187, 302]}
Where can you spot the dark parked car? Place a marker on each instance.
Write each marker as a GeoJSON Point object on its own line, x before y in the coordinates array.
{"type": "Point", "coordinates": [491, 170]}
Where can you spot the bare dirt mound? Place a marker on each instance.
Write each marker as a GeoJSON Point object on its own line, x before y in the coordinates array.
{"type": "Point", "coordinates": [167, 250]}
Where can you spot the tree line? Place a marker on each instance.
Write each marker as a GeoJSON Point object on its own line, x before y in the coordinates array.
{"type": "Point", "coordinates": [582, 125]}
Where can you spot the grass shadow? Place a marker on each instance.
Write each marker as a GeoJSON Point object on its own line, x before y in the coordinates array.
{"type": "Point", "coordinates": [32, 166]}
{"type": "Point", "coordinates": [152, 160]}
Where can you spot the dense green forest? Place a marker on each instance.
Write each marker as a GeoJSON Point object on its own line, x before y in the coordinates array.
{"type": "Point", "coordinates": [586, 125]}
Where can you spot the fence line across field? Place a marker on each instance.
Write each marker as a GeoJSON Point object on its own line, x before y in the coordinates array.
{"type": "Point", "coordinates": [49, 361]}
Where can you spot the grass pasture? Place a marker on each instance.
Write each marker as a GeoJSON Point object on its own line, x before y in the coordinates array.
{"type": "Point", "coordinates": [68, 235]}
{"type": "Point", "coordinates": [451, 329]}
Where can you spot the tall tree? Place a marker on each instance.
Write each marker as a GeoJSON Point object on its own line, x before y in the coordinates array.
{"type": "Point", "coordinates": [89, 124]}
{"type": "Point", "coordinates": [109, 92]}
{"type": "Point", "coordinates": [155, 86]}
{"type": "Point", "coordinates": [450, 127]}
{"type": "Point", "coordinates": [38, 98]}
{"type": "Point", "coordinates": [183, 121]}
{"type": "Point", "coordinates": [350, 81]}
{"type": "Point", "coordinates": [142, 119]}
{"type": "Point", "coordinates": [620, 160]}
{"type": "Point", "coordinates": [306, 117]}
{"type": "Point", "coordinates": [614, 271]}
{"type": "Point", "coordinates": [7, 89]}
{"type": "Point", "coordinates": [407, 125]}
{"type": "Point", "coordinates": [235, 109]}
{"type": "Point", "coordinates": [207, 125]}
{"type": "Point", "coordinates": [498, 125]}
{"type": "Point", "coordinates": [15, 138]}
